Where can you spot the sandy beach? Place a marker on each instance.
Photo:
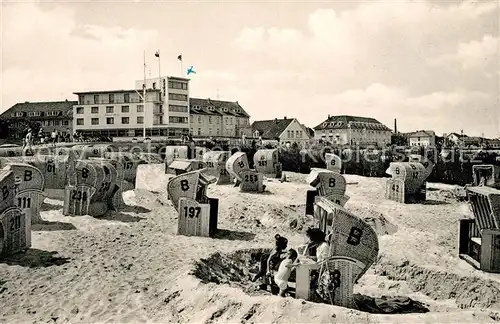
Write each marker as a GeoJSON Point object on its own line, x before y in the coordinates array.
{"type": "Point", "coordinates": [131, 267]}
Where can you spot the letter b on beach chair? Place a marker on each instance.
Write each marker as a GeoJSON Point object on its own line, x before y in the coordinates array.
{"type": "Point", "coordinates": [30, 184]}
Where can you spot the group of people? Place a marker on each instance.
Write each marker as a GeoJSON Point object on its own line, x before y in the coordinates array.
{"type": "Point", "coordinates": [276, 267]}
{"type": "Point", "coordinates": [41, 137]}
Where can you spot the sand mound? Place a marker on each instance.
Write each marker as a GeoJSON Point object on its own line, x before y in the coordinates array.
{"type": "Point", "coordinates": [236, 269]}
{"type": "Point", "coordinates": [376, 220]}
{"type": "Point", "coordinates": [466, 291]}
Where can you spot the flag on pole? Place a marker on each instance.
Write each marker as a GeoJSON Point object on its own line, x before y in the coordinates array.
{"type": "Point", "coordinates": [179, 57]}
{"type": "Point", "coordinates": [157, 54]}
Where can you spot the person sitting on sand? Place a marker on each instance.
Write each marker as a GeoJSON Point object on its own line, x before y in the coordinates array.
{"type": "Point", "coordinates": [270, 262]}
{"type": "Point", "coordinates": [317, 248]}
{"type": "Point", "coordinates": [285, 269]}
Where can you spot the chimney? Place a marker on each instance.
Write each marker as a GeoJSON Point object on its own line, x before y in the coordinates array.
{"type": "Point", "coordinates": [284, 118]}
{"type": "Point", "coordinates": [395, 126]}
{"type": "Point", "coordinates": [329, 116]}
{"type": "Point", "coordinates": [275, 120]}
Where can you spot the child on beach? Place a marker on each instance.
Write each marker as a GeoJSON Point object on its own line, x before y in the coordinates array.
{"type": "Point", "coordinates": [271, 261]}
{"type": "Point", "coordinates": [284, 271]}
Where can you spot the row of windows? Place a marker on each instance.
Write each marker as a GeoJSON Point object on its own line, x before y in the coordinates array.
{"type": "Point", "coordinates": [171, 132]}
{"type": "Point", "coordinates": [177, 108]}
{"type": "Point", "coordinates": [35, 114]}
{"type": "Point", "coordinates": [177, 96]}
{"type": "Point", "coordinates": [109, 121]}
{"type": "Point", "coordinates": [178, 120]}
{"type": "Point", "coordinates": [360, 131]}
{"type": "Point", "coordinates": [177, 85]}
{"type": "Point", "coordinates": [290, 134]}
{"type": "Point", "coordinates": [227, 120]}
{"type": "Point", "coordinates": [109, 109]}
{"type": "Point", "coordinates": [217, 133]}
{"type": "Point", "coordinates": [48, 123]}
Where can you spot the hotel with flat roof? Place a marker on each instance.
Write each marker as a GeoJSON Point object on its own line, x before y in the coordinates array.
{"type": "Point", "coordinates": [123, 114]}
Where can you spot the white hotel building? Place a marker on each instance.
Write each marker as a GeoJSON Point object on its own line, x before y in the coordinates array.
{"type": "Point", "coordinates": [121, 114]}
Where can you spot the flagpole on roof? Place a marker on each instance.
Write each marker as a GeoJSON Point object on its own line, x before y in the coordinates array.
{"type": "Point", "coordinates": [159, 72]}
{"type": "Point", "coordinates": [180, 59]}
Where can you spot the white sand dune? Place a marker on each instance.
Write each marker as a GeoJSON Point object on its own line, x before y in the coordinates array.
{"type": "Point", "coordinates": [131, 267]}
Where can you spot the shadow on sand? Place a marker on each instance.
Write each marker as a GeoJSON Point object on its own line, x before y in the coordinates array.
{"type": "Point", "coordinates": [223, 234]}
{"type": "Point", "coordinates": [121, 217]}
{"type": "Point", "coordinates": [53, 226]}
{"type": "Point", "coordinates": [135, 209]}
{"type": "Point", "coordinates": [389, 305]}
{"type": "Point", "coordinates": [434, 202]}
{"type": "Point", "coordinates": [34, 258]}
{"type": "Point", "coordinates": [46, 207]}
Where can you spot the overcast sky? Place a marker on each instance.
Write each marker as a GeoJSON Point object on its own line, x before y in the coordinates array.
{"type": "Point", "coordinates": [432, 65]}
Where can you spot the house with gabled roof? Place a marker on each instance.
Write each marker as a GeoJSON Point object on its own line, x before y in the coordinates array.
{"type": "Point", "coordinates": [422, 138]}
{"type": "Point", "coordinates": [49, 115]}
{"type": "Point", "coordinates": [218, 118]}
{"type": "Point", "coordinates": [283, 131]}
{"type": "Point", "coordinates": [353, 130]}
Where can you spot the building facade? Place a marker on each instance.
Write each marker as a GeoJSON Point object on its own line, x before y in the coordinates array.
{"type": "Point", "coordinates": [216, 118]}
{"type": "Point", "coordinates": [422, 138]}
{"type": "Point", "coordinates": [286, 131]}
{"type": "Point", "coordinates": [122, 114]}
{"type": "Point", "coordinates": [50, 116]}
{"type": "Point", "coordinates": [353, 130]}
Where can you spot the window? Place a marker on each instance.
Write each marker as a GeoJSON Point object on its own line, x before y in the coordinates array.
{"type": "Point", "coordinates": [125, 109]}
{"type": "Point", "coordinates": [96, 99]}
{"type": "Point", "coordinates": [177, 85]}
{"type": "Point", "coordinates": [140, 120]}
{"type": "Point", "coordinates": [140, 108]}
{"type": "Point", "coordinates": [178, 120]}
{"type": "Point", "coordinates": [209, 131]}
{"type": "Point", "coordinates": [154, 85]}
{"type": "Point", "coordinates": [218, 131]}
{"type": "Point", "coordinates": [111, 98]}
{"type": "Point", "coordinates": [288, 134]}
{"type": "Point", "coordinates": [125, 120]}
{"type": "Point", "coordinates": [199, 119]}
{"type": "Point", "coordinates": [418, 139]}
{"type": "Point", "coordinates": [95, 121]}
{"type": "Point", "coordinates": [177, 96]}
{"type": "Point", "coordinates": [209, 119]}
{"type": "Point", "coordinates": [56, 122]}
{"type": "Point", "coordinates": [79, 121]}
{"type": "Point", "coordinates": [94, 110]}
{"type": "Point", "coordinates": [81, 99]}
{"type": "Point", "coordinates": [126, 97]}
{"type": "Point", "coordinates": [110, 109]}
{"type": "Point", "coordinates": [297, 134]}
{"type": "Point", "coordinates": [291, 133]}
{"type": "Point", "coordinates": [79, 110]}
{"type": "Point", "coordinates": [110, 120]}
{"type": "Point", "coordinates": [177, 108]}
{"type": "Point", "coordinates": [65, 122]}
{"type": "Point", "coordinates": [199, 131]}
